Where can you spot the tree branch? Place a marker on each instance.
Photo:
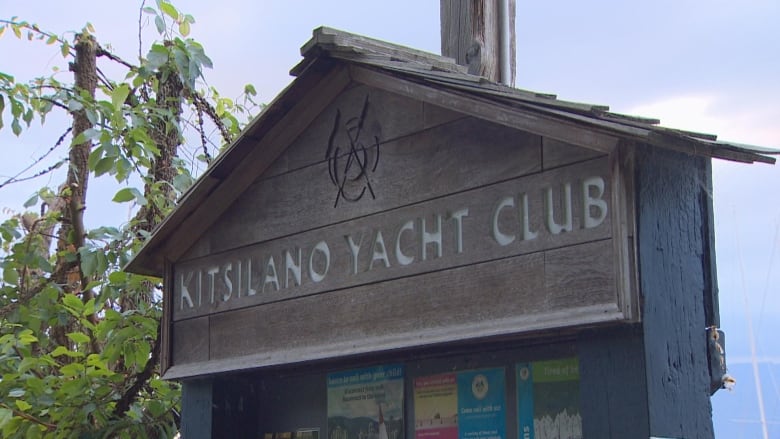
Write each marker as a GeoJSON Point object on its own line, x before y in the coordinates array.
{"type": "Point", "coordinates": [139, 380]}
{"type": "Point", "coordinates": [28, 417]}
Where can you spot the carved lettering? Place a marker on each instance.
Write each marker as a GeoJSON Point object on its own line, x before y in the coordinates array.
{"type": "Point", "coordinates": [434, 240]}
{"type": "Point", "coordinates": [292, 266]}
{"type": "Point", "coordinates": [591, 203]}
{"type": "Point", "coordinates": [400, 256]}
{"type": "Point", "coordinates": [270, 275]}
{"type": "Point", "coordinates": [433, 237]}
{"type": "Point", "coordinates": [322, 249]}
{"type": "Point", "coordinates": [379, 251]}
{"type": "Point", "coordinates": [227, 268]}
{"type": "Point", "coordinates": [567, 224]}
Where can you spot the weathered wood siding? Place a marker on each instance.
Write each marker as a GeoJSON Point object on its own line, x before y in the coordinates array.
{"type": "Point", "coordinates": [444, 228]}
{"type": "Point", "coordinates": [676, 280]}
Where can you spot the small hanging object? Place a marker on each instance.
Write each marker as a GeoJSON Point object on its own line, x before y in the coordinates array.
{"type": "Point", "coordinates": [716, 356]}
{"type": "Point", "coordinates": [728, 382]}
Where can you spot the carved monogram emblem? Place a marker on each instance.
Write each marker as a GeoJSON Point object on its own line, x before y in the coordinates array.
{"type": "Point", "coordinates": [351, 162]}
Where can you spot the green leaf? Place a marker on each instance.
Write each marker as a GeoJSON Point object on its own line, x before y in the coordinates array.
{"type": "Point", "coordinates": [157, 56]}
{"type": "Point", "coordinates": [104, 165]}
{"type": "Point", "coordinates": [149, 10]}
{"type": "Point", "coordinates": [2, 31]}
{"type": "Point", "coordinates": [17, 31]}
{"type": "Point", "coordinates": [26, 337]}
{"type": "Point", "coordinates": [94, 157]}
{"type": "Point", "coordinates": [160, 24]}
{"type": "Point", "coordinates": [62, 350]}
{"type": "Point", "coordinates": [169, 10]}
{"type": "Point", "coordinates": [184, 28]}
{"type": "Point", "coordinates": [250, 90]}
{"type": "Point", "coordinates": [16, 127]}
{"type": "Point", "coordinates": [119, 95]}
{"type": "Point", "coordinates": [22, 405]}
{"type": "Point", "coordinates": [65, 49]}
{"type": "Point", "coordinates": [32, 201]}
{"type": "Point", "coordinates": [34, 432]}
{"type": "Point", "coordinates": [129, 194]}
{"type": "Point", "coordinates": [5, 416]}
{"type": "Point", "coordinates": [73, 302]}
{"type": "Point", "coordinates": [124, 195]}
{"type": "Point", "coordinates": [59, 350]}
{"type": "Point", "coordinates": [52, 39]}
{"type": "Point", "coordinates": [10, 275]}
{"type": "Point", "coordinates": [78, 337]}
{"type": "Point", "coordinates": [72, 369]}
{"type": "Point", "coordinates": [88, 261]}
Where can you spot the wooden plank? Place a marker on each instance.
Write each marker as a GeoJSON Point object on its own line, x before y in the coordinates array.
{"type": "Point", "coordinates": [486, 223]}
{"type": "Point", "coordinates": [384, 117]}
{"type": "Point", "coordinates": [671, 231]}
{"type": "Point", "coordinates": [166, 321]}
{"type": "Point", "coordinates": [512, 297]}
{"type": "Point", "coordinates": [530, 121]}
{"type": "Point", "coordinates": [622, 162]}
{"type": "Point", "coordinates": [433, 115]}
{"type": "Point", "coordinates": [613, 386]}
{"type": "Point", "coordinates": [463, 155]}
{"type": "Point", "coordinates": [196, 408]}
{"type": "Point", "coordinates": [572, 279]}
{"type": "Point", "coordinates": [556, 153]}
{"type": "Point", "coordinates": [333, 41]}
{"type": "Point", "coordinates": [190, 341]}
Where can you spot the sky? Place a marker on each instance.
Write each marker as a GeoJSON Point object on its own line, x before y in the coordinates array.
{"type": "Point", "coordinates": [703, 65]}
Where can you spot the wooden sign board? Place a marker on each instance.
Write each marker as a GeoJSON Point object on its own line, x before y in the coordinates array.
{"type": "Point", "coordinates": [392, 223]}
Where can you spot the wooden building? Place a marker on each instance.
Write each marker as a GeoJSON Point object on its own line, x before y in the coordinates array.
{"type": "Point", "coordinates": [397, 249]}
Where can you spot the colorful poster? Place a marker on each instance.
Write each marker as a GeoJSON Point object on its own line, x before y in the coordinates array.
{"type": "Point", "coordinates": [436, 407]}
{"type": "Point", "coordinates": [366, 403]}
{"type": "Point", "coordinates": [481, 395]}
{"type": "Point", "coordinates": [548, 400]}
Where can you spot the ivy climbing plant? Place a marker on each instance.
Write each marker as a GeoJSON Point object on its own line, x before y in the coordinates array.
{"type": "Point", "coordinates": [79, 338]}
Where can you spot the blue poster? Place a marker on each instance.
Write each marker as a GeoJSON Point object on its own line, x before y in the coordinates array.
{"type": "Point", "coordinates": [481, 412]}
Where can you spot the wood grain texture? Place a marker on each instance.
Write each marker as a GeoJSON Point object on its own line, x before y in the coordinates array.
{"type": "Point", "coordinates": [672, 217]}
{"type": "Point", "coordinates": [470, 34]}
{"type": "Point", "coordinates": [388, 117]}
{"type": "Point", "coordinates": [456, 156]}
{"type": "Point", "coordinates": [535, 122]}
{"type": "Point", "coordinates": [556, 153]}
{"type": "Point", "coordinates": [613, 387]}
{"type": "Point", "coordinates": [505, 296]}
{"type": "Point", "coordinates": [190, 341]}
{"type": "Point", "coordinates": [267, 149]}
{"type": "Point", "coordinates": [399, 230]}
{"type": "Point", "coordinates": [196, 409]}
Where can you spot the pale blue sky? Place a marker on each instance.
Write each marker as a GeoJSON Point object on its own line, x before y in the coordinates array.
{"type": "Point", "coordinates": [706, 65]}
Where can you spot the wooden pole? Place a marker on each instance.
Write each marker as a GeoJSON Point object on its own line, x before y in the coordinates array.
{"type": "Point", "coordinates": [471, 34]}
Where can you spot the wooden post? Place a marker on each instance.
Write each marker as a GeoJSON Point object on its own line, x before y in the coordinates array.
{"type": "Point", "coordinates": [196, 402]}
{"type": "Point", "coordinates": [471, 34]}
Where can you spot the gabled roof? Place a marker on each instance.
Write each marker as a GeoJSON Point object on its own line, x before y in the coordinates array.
{"type": "Point", "coordinates": [333, 59]}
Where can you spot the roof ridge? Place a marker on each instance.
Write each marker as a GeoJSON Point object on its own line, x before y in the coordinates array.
{"type": "Point", "coordinates": [334, 41]}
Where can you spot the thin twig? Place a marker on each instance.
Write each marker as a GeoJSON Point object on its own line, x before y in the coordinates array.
{"type": "Point", "coordinates": [28, 417]}
{"type": "Point", "coordinates": [16, 178]}
{"type": "Point", "coordinates": [103, 52]}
